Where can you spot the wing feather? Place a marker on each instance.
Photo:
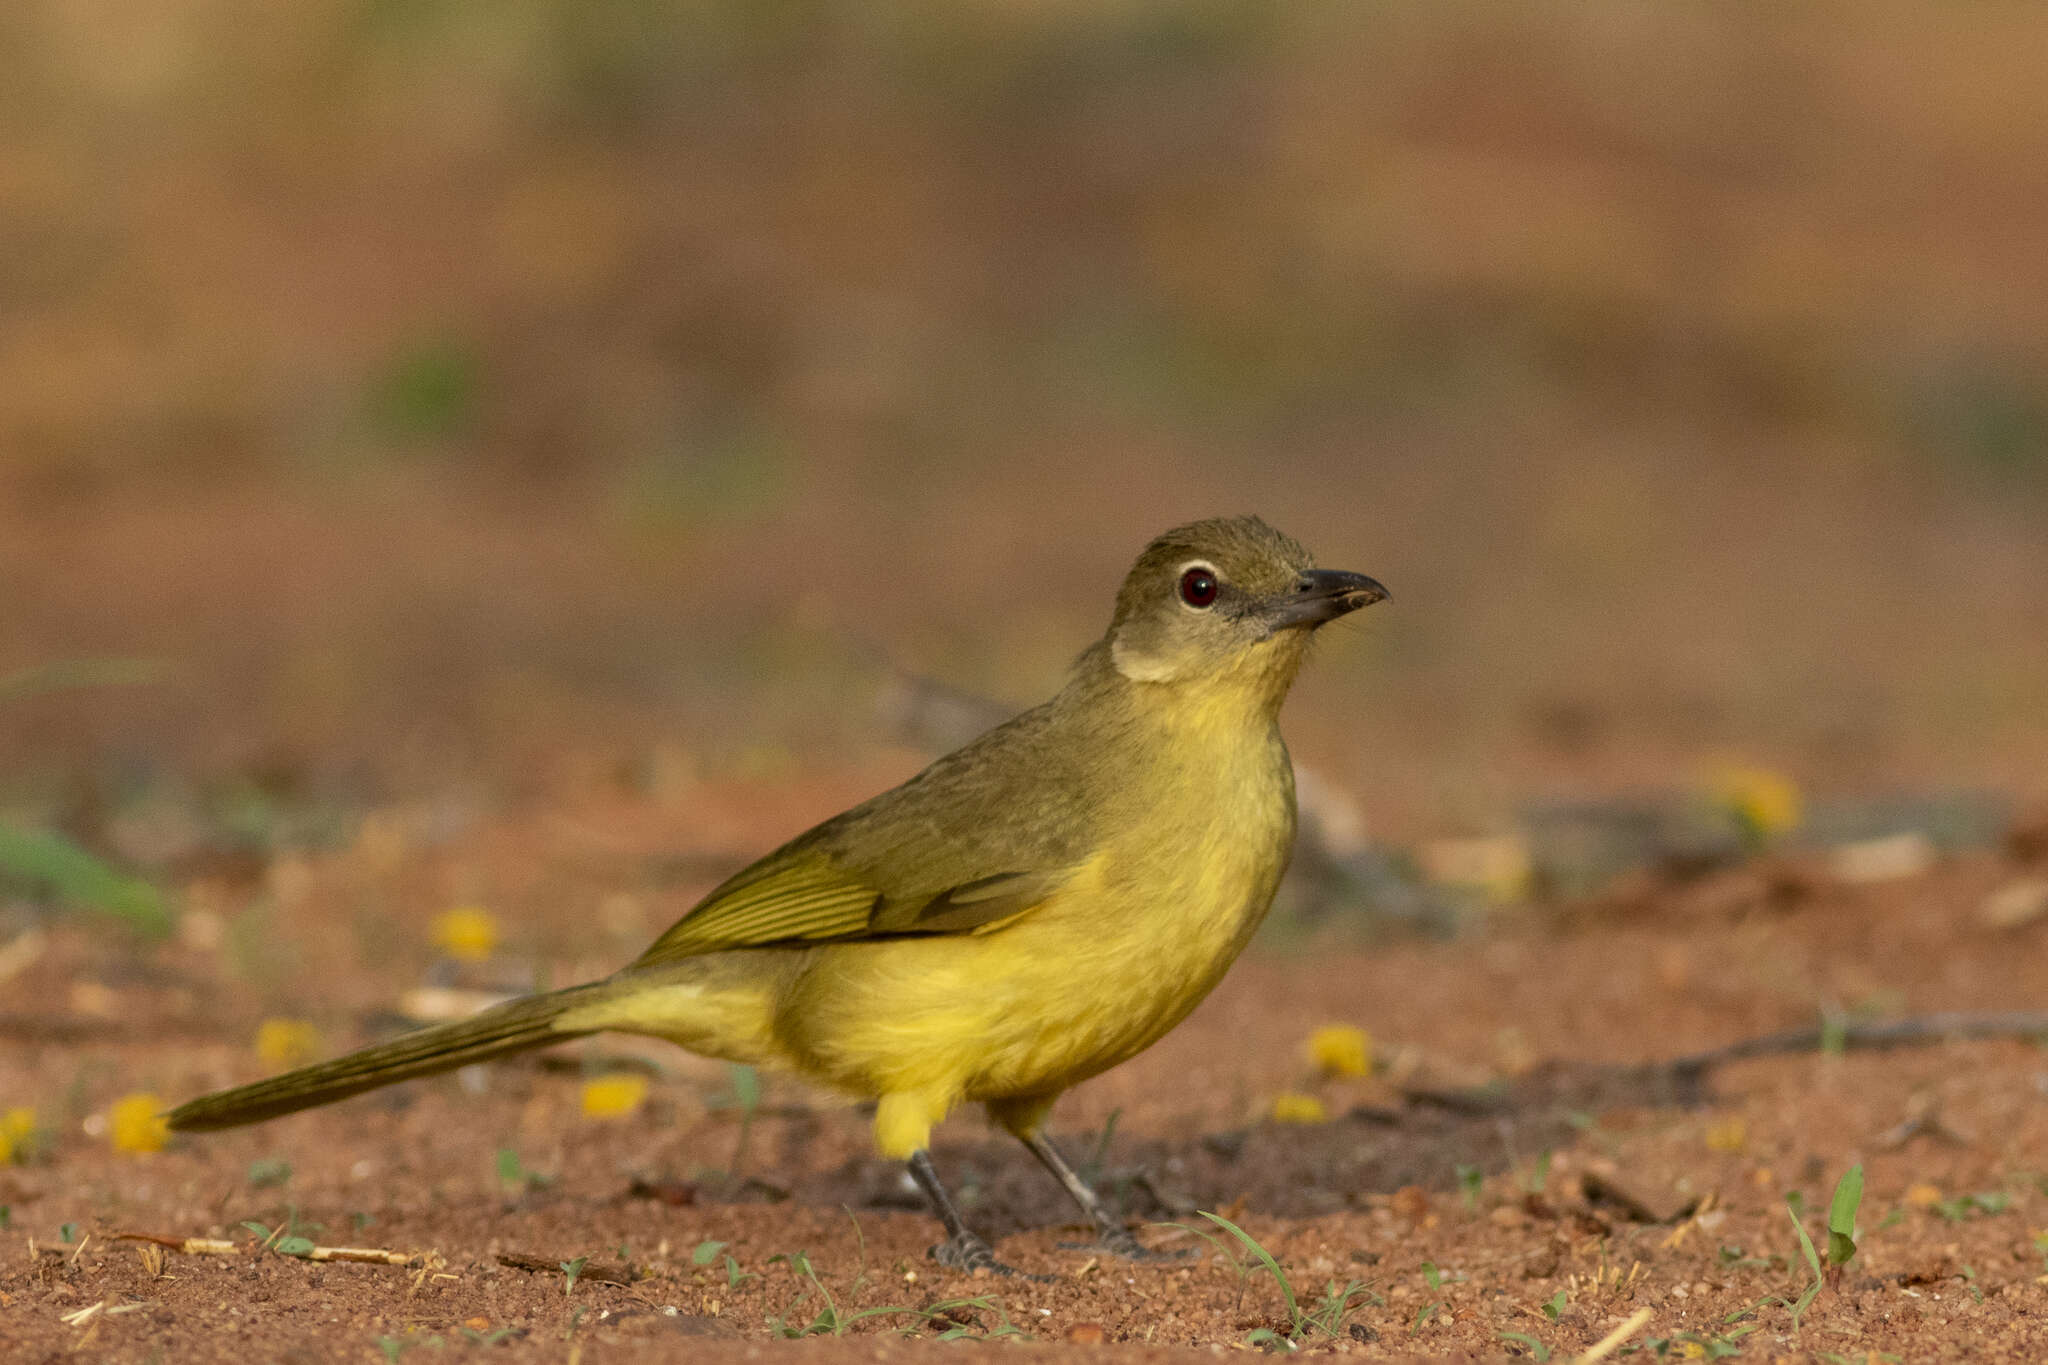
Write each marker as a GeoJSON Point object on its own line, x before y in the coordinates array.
{"type": "Point", "coordinates": [808, 899]}
{"type": "Point", "coordinates": [921, 858]}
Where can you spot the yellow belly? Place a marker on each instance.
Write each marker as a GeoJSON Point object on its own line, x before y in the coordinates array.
{"type": "Point", "coordinates": [1070, 989]}
{"type": "Point", "coordinates": [1015, 1014]}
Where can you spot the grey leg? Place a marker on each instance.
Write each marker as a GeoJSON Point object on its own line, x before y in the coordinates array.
{"type": "Point", "coordinates": [961, 1250]}
{"type": "Point", "coordinates": [1115, 1237]}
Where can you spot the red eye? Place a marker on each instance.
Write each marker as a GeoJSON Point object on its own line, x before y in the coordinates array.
{"type": "Point", "coordinates": [1198, 587]}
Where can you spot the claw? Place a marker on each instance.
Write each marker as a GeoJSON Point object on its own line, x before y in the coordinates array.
{"type": "Point", "coordinates": [969, 1253]}
{"type": "Point", "coordinates": [1118, 1241]}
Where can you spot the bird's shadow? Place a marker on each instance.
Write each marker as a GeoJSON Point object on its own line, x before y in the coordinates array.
{"type": "Point", "coordinates": [1429, 1139]}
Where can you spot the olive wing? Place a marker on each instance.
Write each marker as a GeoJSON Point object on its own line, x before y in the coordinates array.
{"type": "Point", "coordinates": [923, 858]}
{"type": "Point", "coordinates": [805, 897]}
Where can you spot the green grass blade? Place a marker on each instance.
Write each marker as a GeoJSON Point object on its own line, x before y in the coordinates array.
{"type": "Point", "coordinates": [1805, 1300]}
{"type": "Point", "coordinates": [1265, 1258]}
{"type": "Point", "coordinates": [1805, 1242]}
{"type": "Point", "coordinates": [55, 866]}
{"type": "Point", "coordinates": [1842, 1216]}
{"type": "Point", "coordinates": [1222, 1248]}
{"type": "Point", "coordinates": [72, 673]}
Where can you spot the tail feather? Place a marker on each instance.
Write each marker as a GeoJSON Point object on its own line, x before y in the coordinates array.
{"type": "Point", "coordinates": [514, 1026]}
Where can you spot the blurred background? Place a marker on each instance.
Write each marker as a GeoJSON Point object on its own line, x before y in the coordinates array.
{"type": "Point", "coordinates": [474, 473]}
{"type": "Point", "coordinates": [404, 399]}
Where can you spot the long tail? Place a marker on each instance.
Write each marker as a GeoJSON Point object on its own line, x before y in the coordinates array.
{"type": "Point", "coordinates": [514, 1026]}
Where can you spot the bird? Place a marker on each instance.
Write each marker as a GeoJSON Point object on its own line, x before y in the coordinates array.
{"type": "Point", "coordinates": [1028, 911]}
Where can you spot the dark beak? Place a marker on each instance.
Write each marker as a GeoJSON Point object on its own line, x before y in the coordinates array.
{"type": "Point", "coordinates": [1324, 595]}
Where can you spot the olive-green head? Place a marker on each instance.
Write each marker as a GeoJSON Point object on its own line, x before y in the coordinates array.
{"type": "Point", "coordinates": [1224, 599]}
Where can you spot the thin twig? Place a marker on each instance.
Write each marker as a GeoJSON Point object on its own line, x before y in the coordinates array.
{"type": "Point", "coordinates": [1610, 1343]}
{"type": "Point", "coordinates": [1916, 1031]}
{"type": "Point", "coordinates": [368, 1255]}
{"type": "Point", "coordinates": [593, 1272]}
{"type": "Point", "coordinates": [211, 1246]}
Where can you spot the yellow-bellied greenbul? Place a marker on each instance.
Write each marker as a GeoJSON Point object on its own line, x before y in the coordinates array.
{"type": "Point", "coordinates": [1025, 913]}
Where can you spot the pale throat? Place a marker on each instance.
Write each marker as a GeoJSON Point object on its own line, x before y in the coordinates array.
{"type": "Point", "coordinates": [1139, 666]}
{"type": "Point", "coordinates": [1258, 677]}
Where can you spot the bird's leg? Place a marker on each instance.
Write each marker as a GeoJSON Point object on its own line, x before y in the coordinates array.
{"type": "Point", "coordinates": [962, 1249]}
{"type": "Point", "coordinates": [1114, 1236]}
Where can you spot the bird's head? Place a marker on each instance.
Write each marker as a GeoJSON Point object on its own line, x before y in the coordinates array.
{"type": "Point", "coordinates": [1228, 601]}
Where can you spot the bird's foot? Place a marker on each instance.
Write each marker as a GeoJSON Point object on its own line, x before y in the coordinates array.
{"type": "Point", "coordinates": [965, 1251]}
{"type": "Point", "coordinates": [1116, 1240]}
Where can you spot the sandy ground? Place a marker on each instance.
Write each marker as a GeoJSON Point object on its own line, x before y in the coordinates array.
{"type": "Point", "coordinates": [1507, 1182]}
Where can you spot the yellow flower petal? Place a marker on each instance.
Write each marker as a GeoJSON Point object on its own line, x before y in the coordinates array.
{"type": "Point", "coordinates": [1728, 1135]}
{"type": "Point", "coordinates": [1297, 1108]}
{"type": "Point", "coordinates": [1923, 1196]}
{"type": "Point", "coordinates": [467, 933]}
{"type": "Point", "coordinates": [1767, 804]}
{"type": "Point", "coordinates": [613, 1097]}
{"type": "Point", "coordinates": [1499, 868]}
{"type": "Point", "coordinates": [1340, 1050]}
{"type": "Point", "coordinates": [17, 1134]}
{"type": "Point", "coordinates": [136, 1124]}
{"type": "Point", "coordinates": [286, 1043]}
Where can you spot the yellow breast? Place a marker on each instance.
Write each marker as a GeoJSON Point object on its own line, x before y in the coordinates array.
{"type": "Point", "coordinates": [1090, 978]}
